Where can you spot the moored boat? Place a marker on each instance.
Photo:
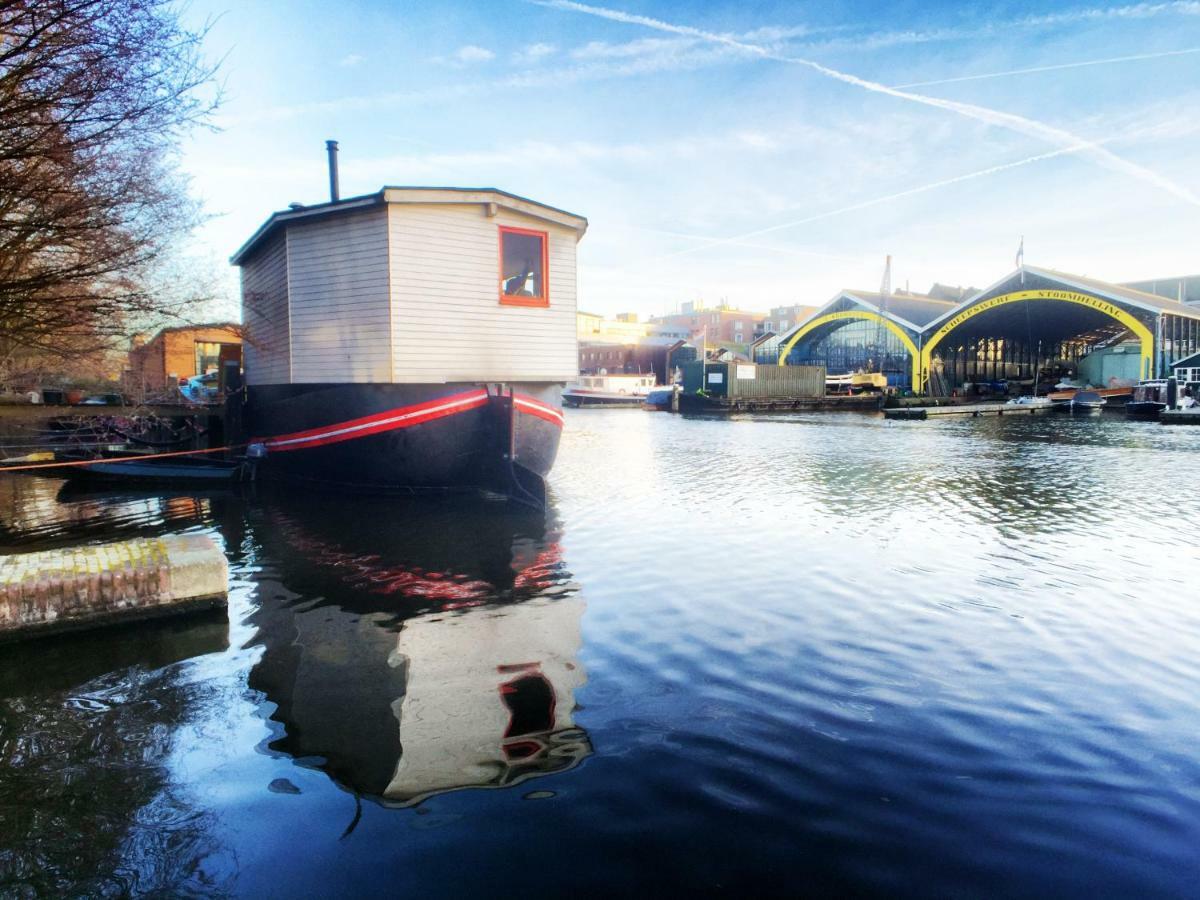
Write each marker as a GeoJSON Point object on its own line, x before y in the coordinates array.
{"type": "Point", "coordinates": [855, 382]}
{"type": "Point", "coordinates": [1029, 402]}
{"type": "Point", "coordinates": [618, 389]}
{"type": "Point", "coordinates": [662, 399]}
{"type": "Point", "coordinates": [1149, 399]}
{"type": "Point", "coordinates": [118, 467]}
{"type": "Point", "coordinates": [410, 339]}
{"type": "Point", "coordinates": [1086, 402]}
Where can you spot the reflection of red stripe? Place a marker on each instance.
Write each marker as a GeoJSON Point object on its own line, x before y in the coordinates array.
{"type": "Point", "coordinates": [402, 417]}
{"type": "Point", "coordinates": [535, 407]}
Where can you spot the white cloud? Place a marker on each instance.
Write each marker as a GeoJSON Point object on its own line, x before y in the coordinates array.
{"type": "Point", "coordinates": [473, 54]}
{"type": "Point", "coordinates": [627, 49]}
{"type": "Point", "coordinates": [757, 140]}
{"type": "Point", "coordinates": [534, 53]}
{"type": "Point", "coordinates": [350, 60]}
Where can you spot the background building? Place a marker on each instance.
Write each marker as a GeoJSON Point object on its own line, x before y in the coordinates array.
{"type": "Point", "coordinates": [1031, 326]}
{"type": "Point", "coordinates": [1183, 288]}
{"type": "Point", "coordinates": [715, 326]}
{"type": "Point", "coordinates": [181, 352]}
{"type": "Point", "coordinates": [781, 318]}
{"type": "Point", "coordinates": [658, 355]}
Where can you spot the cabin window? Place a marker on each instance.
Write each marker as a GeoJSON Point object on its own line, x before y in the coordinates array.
{"type": "Point", "coordinates": [523, 267]}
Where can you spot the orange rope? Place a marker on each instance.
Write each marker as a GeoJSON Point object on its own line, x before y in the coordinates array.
{"type": "Point", "coordinates": [112, 459]}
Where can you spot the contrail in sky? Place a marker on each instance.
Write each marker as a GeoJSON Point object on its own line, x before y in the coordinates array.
{"type": "Point", "coordinates": [1074, 65]}
{"type": "Point", "coordinates": [984, 114]}
{"type": "Point", "coordinates": [933, 185]}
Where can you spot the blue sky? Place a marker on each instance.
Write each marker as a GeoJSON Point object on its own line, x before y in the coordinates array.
{"type": "Point", "coordinates": [754, 152]}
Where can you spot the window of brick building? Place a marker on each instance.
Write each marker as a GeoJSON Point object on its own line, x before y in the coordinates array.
{"type": "Point", "coordinates": [208, 356]}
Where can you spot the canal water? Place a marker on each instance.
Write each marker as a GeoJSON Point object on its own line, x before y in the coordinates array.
{"type": "Point", "coordinates": [770, 655]}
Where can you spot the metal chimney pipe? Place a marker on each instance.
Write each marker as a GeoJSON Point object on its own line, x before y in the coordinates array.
{"type": "Point", "coordinates": [332, 148]}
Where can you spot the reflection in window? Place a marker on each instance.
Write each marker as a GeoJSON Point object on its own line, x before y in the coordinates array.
{"type": "Point", "coordinates": [523, 267]}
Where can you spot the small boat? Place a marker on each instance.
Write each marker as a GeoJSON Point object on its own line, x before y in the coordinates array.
{"type": "Point", "coordinates": [1028, 402]}
{"type": "Point", "coordinates": [1149, 399]}
{"type": "Point", "coordinates": [660, 399]}
{"type": "Point", "coordinates": [173, 470]}
{"type": "Point", "coordinates": [1086, 402]}
{"type": "Point", "coordinates": [608, 390]}
{"type": "Point", "coordinates": [855, 383]}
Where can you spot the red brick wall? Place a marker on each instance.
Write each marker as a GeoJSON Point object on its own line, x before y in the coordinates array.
{"type": "Point", "coordinates": [173, 353]}
{"type": "Point", "coordinates": [703, 327]}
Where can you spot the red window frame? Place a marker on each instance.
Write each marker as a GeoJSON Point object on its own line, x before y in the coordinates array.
{"type": "Point", "coordinates": [512, 299]}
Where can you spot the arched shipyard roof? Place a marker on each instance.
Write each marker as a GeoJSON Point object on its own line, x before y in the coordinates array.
{"type": "Point", "coordinates": [914, 310]}
{"type": "Point", "coordinates": [1120, 294]}
{"type": "Point", "coordinates": [908, 310]}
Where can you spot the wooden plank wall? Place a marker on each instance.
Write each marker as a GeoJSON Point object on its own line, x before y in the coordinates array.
{"type": "Point", "coordinates": [338, 283]}
{"type": "Point", "coordinates": [265, 314]}
{"type": "Point", "coordinates": [447, 319]}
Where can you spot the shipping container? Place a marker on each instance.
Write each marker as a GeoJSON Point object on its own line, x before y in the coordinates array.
{"type": "Point", "coordinates": [747, 381]}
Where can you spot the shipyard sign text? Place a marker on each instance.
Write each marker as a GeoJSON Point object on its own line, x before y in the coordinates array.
{"type": "Point", "coordinates": [1104, 306]}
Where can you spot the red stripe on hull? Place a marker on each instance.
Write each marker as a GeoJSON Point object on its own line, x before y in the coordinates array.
{"type": "Point", "coordinates": [391, 420]}
{"type": "Point", "coordinates": [534, 407]}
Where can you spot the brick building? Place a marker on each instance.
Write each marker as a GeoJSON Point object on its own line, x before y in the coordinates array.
{"type": "Point", "coordinates": [181, 352]}
{"type": "Point", "coordinates": [714, 326]}
{"type": "Point", "coordinates": [649, 354]}
{"type": "Point", "coordinates": [781, 318]}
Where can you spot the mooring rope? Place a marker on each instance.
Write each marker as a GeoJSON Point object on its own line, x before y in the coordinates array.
{"type": "Point", "coordinates": [137, 458]}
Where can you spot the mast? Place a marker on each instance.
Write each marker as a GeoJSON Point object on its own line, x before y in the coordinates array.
{"type": "Point", "coordinates": [885, 292]}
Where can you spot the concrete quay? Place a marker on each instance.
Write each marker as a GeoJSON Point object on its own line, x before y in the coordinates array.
{"type": "Point", "coordinates": [79, 587]}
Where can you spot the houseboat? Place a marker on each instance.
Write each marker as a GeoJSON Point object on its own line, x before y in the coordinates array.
{"type": "Point", "coordinates": [414, 338]}
{"type": "Point", "coordinates": [609, 390]}
{"type": "Point", "coordinates": [1149, 399]}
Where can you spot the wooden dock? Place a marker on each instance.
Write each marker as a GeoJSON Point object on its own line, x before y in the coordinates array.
{"type": "Point", "coordinates": [1180, 416]}
{"type": "Point", "coordinates": [693, 403]}
{"type": "Point", "coordinates": [32, 412]}
{"type": "Point", "coordinates": [965, 410]}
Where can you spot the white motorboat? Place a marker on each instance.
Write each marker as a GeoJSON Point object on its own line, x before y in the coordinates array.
{"type": "Point", "coordinates": [1086, 402]}
{"type": "Point", "coordinates": [1029, 402]}
{"type": "Point", "coordinates": [609, 390]}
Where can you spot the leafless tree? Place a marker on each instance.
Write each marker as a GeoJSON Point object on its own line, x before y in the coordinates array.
{"type": "Point", "coordinates": [94, 98]}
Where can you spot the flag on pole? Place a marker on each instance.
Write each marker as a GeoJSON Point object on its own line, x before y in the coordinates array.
{"type": "Point", "coordinates": [1021, 258]}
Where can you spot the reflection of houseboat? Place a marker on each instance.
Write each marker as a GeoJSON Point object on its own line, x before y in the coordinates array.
{"type": "Point", "coordinates": [608, 390]}
{"type": "Point", "coordinates": [443, 652]}
{"type": "Point", "coordinates": [489, 697]}
{"type": "Point", "coordinates": [411, 338]}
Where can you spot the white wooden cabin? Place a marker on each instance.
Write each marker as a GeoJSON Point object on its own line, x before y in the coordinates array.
{"type": "Point", "coordinates": [412, 285]}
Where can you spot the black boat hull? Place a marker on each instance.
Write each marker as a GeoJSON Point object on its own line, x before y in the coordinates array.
{"type": "Point", "coordinates": [1144, 409]}
{"type": "Point", "coordinates": [408, 437]}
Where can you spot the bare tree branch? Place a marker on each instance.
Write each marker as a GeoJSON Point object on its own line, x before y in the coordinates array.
{"type": "Point", "coordinates": [94, 98]}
